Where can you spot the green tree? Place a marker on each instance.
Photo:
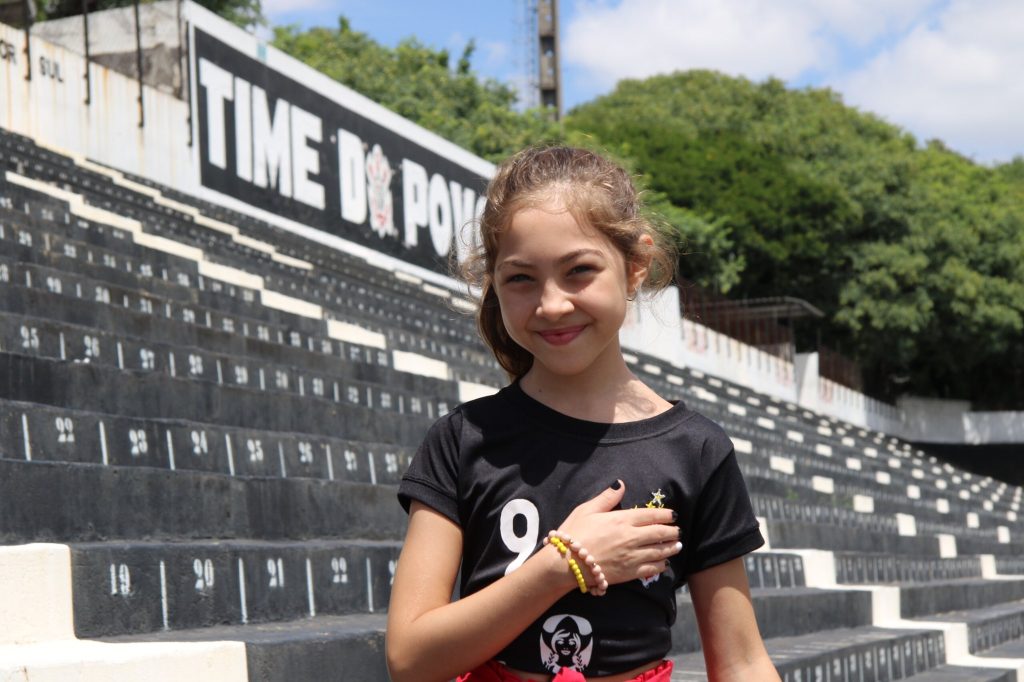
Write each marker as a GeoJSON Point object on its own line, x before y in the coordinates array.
{"type": "Point", "coordinates": [421, 84]}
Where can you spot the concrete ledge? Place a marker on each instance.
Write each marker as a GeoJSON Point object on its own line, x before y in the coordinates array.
{"type": "Point", "coordinates": [35, 597]}
{"type": "Point", "coordinates": [90, 661]}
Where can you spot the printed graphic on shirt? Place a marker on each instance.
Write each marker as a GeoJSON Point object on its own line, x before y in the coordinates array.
{"type": "Point", "coordinates": [566, 641]}
{"type": "Point", "coordinates": [657, 501]}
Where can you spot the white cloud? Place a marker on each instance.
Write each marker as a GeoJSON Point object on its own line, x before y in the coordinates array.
{"type": "Point", "coordinates": [639, 38]}
{"type": "Point", "coordinates": [940, 68]}
{"type": "Point", "coordinates": [957, 78]}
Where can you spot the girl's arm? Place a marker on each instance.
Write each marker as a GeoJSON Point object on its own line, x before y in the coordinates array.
{"type": "Point", "coordinates": [733, 649]}
{"type": "Point", "coordinates": [432, 639]}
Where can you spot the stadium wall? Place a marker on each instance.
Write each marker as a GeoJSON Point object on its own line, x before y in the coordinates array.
{"type": "Point", "coordinates": [266, 135]}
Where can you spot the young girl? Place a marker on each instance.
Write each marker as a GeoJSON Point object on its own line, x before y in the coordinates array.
{"type": "Point", "coordinates": [576, 500]}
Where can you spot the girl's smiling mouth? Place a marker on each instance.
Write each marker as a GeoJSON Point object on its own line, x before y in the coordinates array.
{"type": "Point", "coordinates": [560, 337]}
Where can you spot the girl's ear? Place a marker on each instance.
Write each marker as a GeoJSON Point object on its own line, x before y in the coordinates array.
{"type": "Point", "coordinates": [639, 266]}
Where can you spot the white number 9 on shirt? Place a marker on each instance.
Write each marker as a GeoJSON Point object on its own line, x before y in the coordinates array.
{"type": "Point", "coordinates": [523, 545]}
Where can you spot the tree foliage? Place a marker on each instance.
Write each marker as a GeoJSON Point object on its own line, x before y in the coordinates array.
{"type": "Point", "coordinates": [422, 84]}
{"type": "Point", "coordinates": [915, 253]}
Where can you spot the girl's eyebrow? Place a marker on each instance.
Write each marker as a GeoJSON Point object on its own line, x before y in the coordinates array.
{"type": "Point", "coordinates": [572, 255]}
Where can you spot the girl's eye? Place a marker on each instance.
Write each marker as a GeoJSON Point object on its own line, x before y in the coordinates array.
{"type": "Point", "coordinates": [518, 277]}
{"type": "Point", "coordinates": [580, 269]}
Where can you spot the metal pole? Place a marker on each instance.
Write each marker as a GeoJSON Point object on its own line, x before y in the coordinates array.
{"type": "Point", "coordinates": [188, 73]}
{"type": "Point", "coordinates": [88, 69]}
{"type": "Point", "coordinates": [26, 12]}
{"type": "Point", "coordinates": [138, 63]}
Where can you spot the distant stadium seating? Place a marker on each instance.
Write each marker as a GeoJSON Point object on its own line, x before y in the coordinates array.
{"type": "Point", "coordinates": [213, 414]}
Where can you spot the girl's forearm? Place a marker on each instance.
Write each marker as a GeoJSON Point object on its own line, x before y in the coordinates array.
{"type": "Point", "coordinates": [457, 637]}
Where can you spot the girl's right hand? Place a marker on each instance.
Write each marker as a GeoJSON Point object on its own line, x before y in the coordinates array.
{"type": "Point", "coordinates": [626, 543]}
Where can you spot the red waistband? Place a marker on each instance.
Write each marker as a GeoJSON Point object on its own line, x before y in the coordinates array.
{"type": "Point", "coordinates": [492, 671]}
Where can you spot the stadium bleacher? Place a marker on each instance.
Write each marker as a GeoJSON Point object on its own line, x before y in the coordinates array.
{"type": "Point", "coordinates": [213, 416]}
{"type": "Point", "coordinates": [204, 417]}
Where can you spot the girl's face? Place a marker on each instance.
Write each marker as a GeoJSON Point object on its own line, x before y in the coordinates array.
{"type": "Point", "coordinates": [562, 287]}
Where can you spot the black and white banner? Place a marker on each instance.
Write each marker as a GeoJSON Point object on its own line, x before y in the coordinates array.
{"type": "Point", "coordinates": [276, 144]}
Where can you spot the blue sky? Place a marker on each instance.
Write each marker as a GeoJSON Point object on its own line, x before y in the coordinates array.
{"type": "Point", "coordinates": [939, 68]}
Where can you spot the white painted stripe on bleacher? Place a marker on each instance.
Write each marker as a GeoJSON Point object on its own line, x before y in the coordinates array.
{"type": "Point", "coordinates": [871, 452]}
{"type": "Point", "coordinates": [883, 477]}
{"type": "Point", "coordinates": [471, 391]}
{"type": "Point", "coordinates": [913, 492]}
{"type": "Point", "coordinates": [291, 262]}
{"type": "Point", "coordinates": [436, 291]}
{"type": "Point", "coordinates": [414, 363]}
{"type": "Point", "coordinates": [906, 525]}
{"type": "Point", "coordinates": [406, 277]}
{"type": "Point", "coordinates": [241, 591]}
{"type": "Point", "coordinates": [63, 353]}
{"type": "Point", "coordinates": [652, 369]}
{"type": "Point", "coordinates": [106, 217]}
{"type": "Point", "coordinates": [674, 379]}
{"type": "Point", "coordinates": [753, 401]}
{"type": "Point", "coordinates": [1003, 535]}
{"type": "Point", "coordinates": [853, 464]}
{"type": "Point", "coordinates": [864, 504]}
{"type": "Point", "coordinates": [705, 395]}
{"type": "Point", "coordinates": [120, 356]}
{"type": "Point", "coordinates": [309, 588]}
{"type": "Point", "coordinates": [231, 455]}
{"type": "Point", "coordinates": [942, 505]}
{"type": "Point", "coordinates": [823, 450]}
{"type": "Point", "coordinates": [350, 333]}
{"type": "Point", "coordinates": [825, 431]}
{"type": "Point", "coordinates": [941, 484]}
{"type": "Point", "coordinates": [795, 436]}
{"type": "Point", "coordinates": [741, 445]}
{"type": "Point", "coordinates": [463, 304]}
{"type": "Point", "coordinates": [823, 484]}
{"type": "Point", "coordinates": [783, 464]}
{"type": "Point", "coordinates": [373, 469]}
{"type": "Point", "coordinates": [170, 450]}
{"type": "Point", "coordinates": [255, 244]}
{"type": "Point", "coordinates": [972, 520]}
{"type": "Point", "coordinates": [947, 546]}
{"type": "Point", "coordinates": [766, 423]}
{"type": "Point", "coordinates": [43, 187]}
{"type": "Point", "coordinates": [158, 243]}
{"type": "Point", "coordinates": [280, 457]}
{"type": "Point", "coordinates": [717, 383]}
{"type": "Point", "coordinates": [103, 444]}
{"type": "Point", "coordinates": [177, 206]}
{"type": "Point", "coordinates": [820, 572]}
{"type": "Point", "coordinates": [27, 441]}
{"type": "Point", "coordinates": [330, 463]}
{"type": "Point", "coordinates": [288, 304]}
{"type": "Point", "coordinates": [849, 442]}
{"type": "Point", "coordinates": [163, 595]}
{"type": "Point", "coordinates": [763, 523]}
{"type": "Point", "coordinates": [737, 409]}
{"type": "Point", "coordinates": [217, 225]}
{"type": "Point", "coordinates": [630, 358]}
{"type": "Point", "coordinates": [230, 275]}
{"type": "Point", "coordinates": [772, 410]}
{"type": "Point", "coordinates": [369, 584]}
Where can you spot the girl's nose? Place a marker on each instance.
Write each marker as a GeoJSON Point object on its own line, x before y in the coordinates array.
{"type": "Point", "coordinates": [554, 302]}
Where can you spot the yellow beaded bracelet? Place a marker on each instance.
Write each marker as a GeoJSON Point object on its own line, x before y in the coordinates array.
{"type": "Point", "coordinates": [573, 566]}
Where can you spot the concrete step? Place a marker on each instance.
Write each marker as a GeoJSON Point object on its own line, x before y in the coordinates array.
{"type": "Point", "coordinates": [868, 653]}
{"type": "Point", "coordinates": [138, 587]}
{"type": "Point", "coordinates": [114, 391]}
{"type": "Point", "coordinates": [131, 503]}
{"type": "Point", "coordinates": [784, 613]}
{"type": "Point", "coordinates": [988, 627]}
{"type": "Point", "coordinates": [302, 650]}
{"type": "Point", "coordinates": [920, 600]}
{"type": "Point", "coordinates": [33, 432]}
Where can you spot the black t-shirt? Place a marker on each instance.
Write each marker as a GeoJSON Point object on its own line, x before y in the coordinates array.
{"type": "Point", "coordinates": [507, 469]}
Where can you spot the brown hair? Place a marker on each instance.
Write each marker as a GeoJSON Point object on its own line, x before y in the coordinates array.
{"type": "Point", "coordinates": [596, 191]}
